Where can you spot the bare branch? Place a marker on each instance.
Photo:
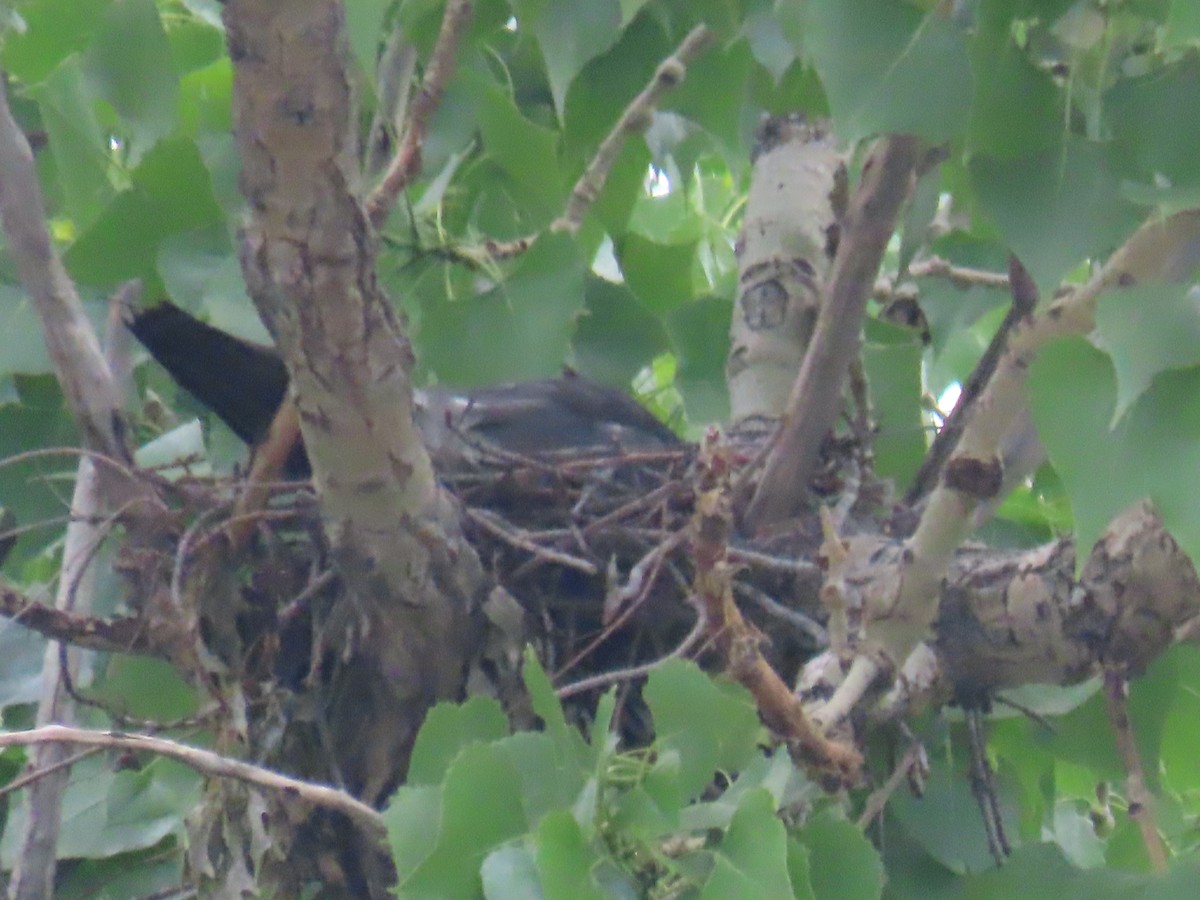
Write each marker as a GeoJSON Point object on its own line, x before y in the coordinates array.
{"type": "Point", "coordinates": [1024, 301]}
{"type": "Point", "coordinates": [817, 393]}
{"type": "Point", "coordinates": [738, 642]}
{"type": "Point", "coordinates": [635, 119]}
{"type": "Point", "coordinates": [206, 762]}
{"type": "Point", "coordinates": [1141, 802]}
{"type": "Point", "coordinates": [33, 876]}
{"type": "Point", "coordinates": [74, 348]}
{"type": "Point", "coordinates": [407, 161]}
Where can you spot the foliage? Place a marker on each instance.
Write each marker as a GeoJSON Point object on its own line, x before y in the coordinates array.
{"type": "Point", "coordinates": [552, 814]}
{"type": "Point", "coordinates": [1065, 123]}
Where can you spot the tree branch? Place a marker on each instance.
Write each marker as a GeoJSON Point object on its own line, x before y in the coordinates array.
{"type": "Point", "coordinates": [816, 395]}
{"type": "Point", "coordinates": [207, 763]}
{"type": "Point", "coordinates": [407, 162]}
{"type": "Point", "coordinates": [635, 119]}
{"type": "Point", "coordinates": [123, 635]}
{"type": "Point", "coordinates": [74, 348]}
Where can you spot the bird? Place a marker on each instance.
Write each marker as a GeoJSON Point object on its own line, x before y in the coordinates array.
{"type": "Point", "coordinates": [245, 383]}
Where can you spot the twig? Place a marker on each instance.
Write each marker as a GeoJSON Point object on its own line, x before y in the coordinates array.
{"type": "Point", "coordinates": [79, 363]}
{"type": "Point", "coordinates": [738, 642]}
{"type": "Point", "coordinates": [34, 873]}
{"type": "Point", "coordinates": [959, 276]}
{"type": "Point", "coordinates": [983, 786]}
{"type": "Point", "coordinates": [35, 775]}
{"type": "Point", "coordinates": [1141, 803]}
{"type": "Point", "coordinates": [816, 396]}
{"type": "Point", "coordinates": [407, 161]}
{"type": "Point", "coordinates": [875, 803]}
{"type": "Point", "coordinates": [635, 119]}
{"type": "Point", "coordinates": [604, 679]}
{"type": "Point", "coordinates": [206, 762]}
{"type": "Point", "coordinates": [516, 537]}
{"type": "Point", "coordinates": [1024, 300]}
{"type": "Point", "coordinates": [773, 607]}
{"type": "Point", "coordinates": [393, 86]}
{"type": "Point", "coordinates": [637, 587]}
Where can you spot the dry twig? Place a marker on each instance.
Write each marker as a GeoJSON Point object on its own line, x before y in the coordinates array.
{"type": "Point", "coordinates": [407, 161]}
{"type": "Point", "coordinates": [206, 762]}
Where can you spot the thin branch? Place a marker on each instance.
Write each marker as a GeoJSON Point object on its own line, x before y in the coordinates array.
{"type": "Point", "coordinates": [1141, 802]}
{"type": "Point", "coordinates": [74, 348]}
{"type": "Point", "coordinates": [959, 276]}
{"type": "Point", "coordinates": [816, 395]}
{"type": "Point", "coordinates": [34, 873]}
{"type": "Point", "coordinates": [33, 776]}
{"type": "Point", "coordinates": [1024, 300]}
{"type": "Point", "coordinates": [517, 537]}
{"type": "Point", "coordinates": [914, 757]}
{"type": "Point", "coordinates": [604, 679]}
{"type": "Point", "coordinates": [407, 161]}
{"type": "Point", "coordinates": [206, 762]}
{"type": "Point", "coordinates": [635, 119]}
{"type": "Point", "coordinates": [123, 635]}
{"type": "Point", "coordinates": [739, 643]}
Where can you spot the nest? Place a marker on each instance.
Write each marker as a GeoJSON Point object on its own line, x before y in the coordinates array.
{"type": "Point", "coordinates": [588, 557]}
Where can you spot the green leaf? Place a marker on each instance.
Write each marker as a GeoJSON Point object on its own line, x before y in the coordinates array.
{"type": "Point", "coordinates": [480, 811]}
{"type": "Point", "coordinates": [1055, 208]}
{"type": "Point", "coordinates": [699, 333]}
{"type": "Point", "coordinates": [106, 812]}
{"type": "Point", "coordinates": [706, 99]}
{"type": "Point", "coordinates": [413, 817]}
{"type": "Point", "coordinates": [130, 65]}
{"type": "Point", "coordinates": [660, 275]}
{"type": "Point", "coordinates": [1072, 392]}
{"type": "Point", "coordinates": [798, 870]}
{"type": "Point", "coordinates": [21, 655]}
{"type": "Point", "coordinates": [604, 87]}
{"type": "Point", "coordinates": [894, 374]}
{"type": "Point", "coordinates": [27, 488]}
{"type": "Point", "coordinates": [723, 738]}
{"type": "Point", "coordinates": [448, 728]}
{"type": "Point", "coordinates": [616, 337]}
{"type": "Point", "coordinates": [1180, 763]}
{"type": "Point", "coordinates": [1104, 469]}
{"type": "Point", "coordinates": [171, 193]}
{"type": "Point", "coordinates": [564, 861]}
{"type": "Point", "coordinates": [1146, 329]}
{"type": "Point", "coordinates": [1039, 872]}
{"type": "Point", "coordinates": [889, 69]}
{"type": "Point", "coordinates": [1017, 109]}
{"type": "Point", "coordinates": [49, 36]}
{"type": "Point", "coordinates": [519, 329]}
{"type": "Point", "coordinates": [751, 859]}
{"type": "Point", "coordinates": [364, 25]}
{"type": "Point", "coordinates": [79, 145]}
{"type": "Point", "coordinates": [1183, 22]}
{"type": "Point", "coordinates": [510, 873]}
{"type": "Point", "coordinates": [569, 33]}
{"type": "Point", "coordinates": [945, 821]}
{"type": "Point", "coordinates": [552, 775]}
{"type": "Point", "coordinates": [24, 347]}
{"type": "Point", "coordinates": [842, 863]}
{"type": "Point", "coordinates": [768, 43]}
{"type": "Point", "coordinates": [148, 689]}
{"type": "Point", "coordinates": [1155, 121]}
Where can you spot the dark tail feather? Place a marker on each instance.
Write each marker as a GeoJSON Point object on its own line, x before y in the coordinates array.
{"type": "Point", "coordinates": [243, 383]}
